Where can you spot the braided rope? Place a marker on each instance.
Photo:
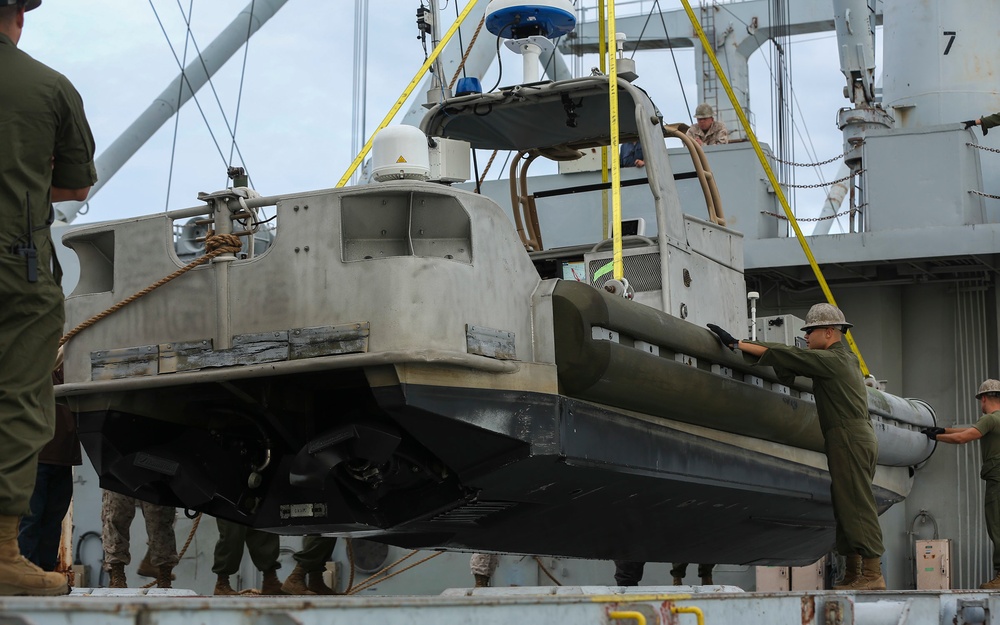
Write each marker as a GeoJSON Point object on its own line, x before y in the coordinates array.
{"type": "Point", "coordinates": [350, 558]}
{"type": "Point", "coordinates": [371, 581]}
{"type": "Point", "coordinates": [488, 165]}
{"type": "Point", "coordinates": [468, 51]}
{"type": "Point", "coordinates": [215, 245]}
{"type": "Point", "coordinates": [546, 571]}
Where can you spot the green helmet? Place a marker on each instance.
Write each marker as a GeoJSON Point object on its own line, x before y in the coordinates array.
{"type": "Point", "coordinates": [27, 4]}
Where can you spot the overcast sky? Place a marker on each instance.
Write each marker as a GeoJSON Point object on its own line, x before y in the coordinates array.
{"type": "Point", "coordinates": [294, 124]}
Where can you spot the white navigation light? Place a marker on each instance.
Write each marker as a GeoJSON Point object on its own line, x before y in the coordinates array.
{"type": "Point", "coordinates": [516, 19]}
{"type": "Point", "coordinates": [400, 152]}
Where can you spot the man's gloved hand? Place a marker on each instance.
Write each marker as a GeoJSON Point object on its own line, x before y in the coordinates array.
{"type": "Point", "coordinates": [969, 124]}
{"type": "Point", "coordinates": [727, 339]}
{"type": "Point", "coordinates": [932, 433]}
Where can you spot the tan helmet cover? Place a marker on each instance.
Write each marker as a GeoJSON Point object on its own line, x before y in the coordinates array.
{"type": "Point", "coordinates": [703, 111]}
{"type": "Point", "coordinates": [988, 386]}
{"type": "Point", "coordinates": [826, 315]}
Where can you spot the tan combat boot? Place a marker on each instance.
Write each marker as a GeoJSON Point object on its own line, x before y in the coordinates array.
{"type": "Point", "coordinates": [707, 581]}
{"type": "Point", "coordinates": [146, 568]}
{"type": "Point", "coordinates": [222, 586]}
{"type": "Point", "coordinates": [295, 583]}
{"type": "Point", "coordinates": [870, 577]}
{"type": "Point", "coordinates": [993, 584]}
{"type": "Point", "coordinates": [18, 576]}
{"type": "Point", "coordinates": [678, 581]}
{"type": "Point", "coordinates": [482, 581]}
{"type": "Point", "coordinates": [165, 576]}
{"type": "Point", "coordinates": [852, 571]}
{"type": "Point", "coordinates": [271, 584]}
{"type": "Point", "coordinates": [318, 586]}
{"type": "Point", "coordinates": [116, 571]}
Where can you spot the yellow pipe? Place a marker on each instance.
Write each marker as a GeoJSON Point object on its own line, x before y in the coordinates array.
{"type": "Point", "coordinates": [770, 174]}
{"type": "Point", "coordinates": [677, 609]}
{"type": "Point", "coordinates": [639, 617]}
{"type": "Point", "coordinates": [409, 89]}
{"type": "Point", "coordinates": [616, 171]}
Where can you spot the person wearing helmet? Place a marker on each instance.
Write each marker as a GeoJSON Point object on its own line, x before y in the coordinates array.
{"type": "Point", "coordinates": [47, 156]}
{"type": "Point", "coordinates": [707, 131]}
{"type": "Point", "coordinates": [987, 430]}
{"type": "Point", "coordinates": [849, 439]}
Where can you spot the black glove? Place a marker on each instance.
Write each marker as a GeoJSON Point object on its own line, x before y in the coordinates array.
{"type": "Point", "coordinates": [727, 339]}
{"type": "Point", "coordinates": [969, 124]}
{"type": "Point", "coordinates": [932, 433]}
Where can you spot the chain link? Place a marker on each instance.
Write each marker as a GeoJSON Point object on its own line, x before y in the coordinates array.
{"type": "Point", "coordinates": [840, 214]}
{"type": "Point", "coordinates": [982, 147]}
{"type": "Point", "coordinates": [992, 197]}
{"type": "Point", "coordinates": [829, 160]}
{"type": "Point", "coordinates": [823, 184]}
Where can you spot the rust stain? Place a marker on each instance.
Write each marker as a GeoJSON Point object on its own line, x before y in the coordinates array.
{"type": "Point", "coordinates": [808, 610]}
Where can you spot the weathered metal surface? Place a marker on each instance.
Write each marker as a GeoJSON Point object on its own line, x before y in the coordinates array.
{"type": "Point", "coordinates": [583, 605]}
{"type": "Point", "coordinates": [490, 342]}
{"type": "Point", "coordinates": [125, 362]}
{"type": "Point", "coordinates": [328, 340]}
{"type": "Point", "coordinates": [247, 350]}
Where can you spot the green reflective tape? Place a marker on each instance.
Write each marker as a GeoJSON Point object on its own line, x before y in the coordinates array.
{"type": "Point", "coordinates": [605, 269]}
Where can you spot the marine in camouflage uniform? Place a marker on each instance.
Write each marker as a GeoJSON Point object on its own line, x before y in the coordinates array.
{"type": "Point", "coordinates": [117, 513]}
{"type": "Point", "coordinates": [986, 430]}
{"type": "Point", "coordinates": [483, 566]}
{"type": "Point", "coordinates": [46, 155]}
{"type": "Point", "coordinates": [849, 439]}
{"type": "Point", "coordinates": [707, 131]}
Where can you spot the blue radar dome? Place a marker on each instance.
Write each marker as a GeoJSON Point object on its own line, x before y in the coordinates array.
{"type": "Point", "coordinates": [516, 19]}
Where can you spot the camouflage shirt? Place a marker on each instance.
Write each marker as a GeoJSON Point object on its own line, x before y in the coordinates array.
{"type": "Point", "coordinates": [717, 133]}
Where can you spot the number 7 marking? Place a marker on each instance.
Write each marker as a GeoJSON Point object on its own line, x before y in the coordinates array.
{"type": "Point", "coordinates": [949, 33]}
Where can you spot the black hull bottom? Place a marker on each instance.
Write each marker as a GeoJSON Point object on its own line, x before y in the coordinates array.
{"type": "Point", "coordinates": [485, 470]}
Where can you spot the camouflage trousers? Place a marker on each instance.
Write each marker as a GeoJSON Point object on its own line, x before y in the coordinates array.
{"type": "Point", "coordinates": [484, 563]}
{"type": "Point", "coordinates": [117, 512]}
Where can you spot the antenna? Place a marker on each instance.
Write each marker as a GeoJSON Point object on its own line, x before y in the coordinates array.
{"type": "Point", "coordinates": [528, 28]}
{"type": "Point", "coordinates": [753, 296]}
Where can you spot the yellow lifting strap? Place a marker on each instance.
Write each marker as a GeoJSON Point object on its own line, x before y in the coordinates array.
{"type": "Point", "coordinates": [406, 92]}
{"type": "Point", "coordinates": [602, 48]}
{"type": "Point", "coordinates": [707, 47]}
{"type": "Point", "coordinates": [618, 270]}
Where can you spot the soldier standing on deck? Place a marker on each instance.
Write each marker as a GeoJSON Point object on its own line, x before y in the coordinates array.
{"type": "Point", "coordinates": [117, 513]}
{"type": "Point", "coordinates": [849, 439]}
{"type": "Point", "coordinates": [986, 430]}
{"type": "Point", "coordinates": [46, 155]}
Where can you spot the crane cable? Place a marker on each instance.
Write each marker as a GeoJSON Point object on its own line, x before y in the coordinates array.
{"type": "Point", "coordinates": [724, 81]}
